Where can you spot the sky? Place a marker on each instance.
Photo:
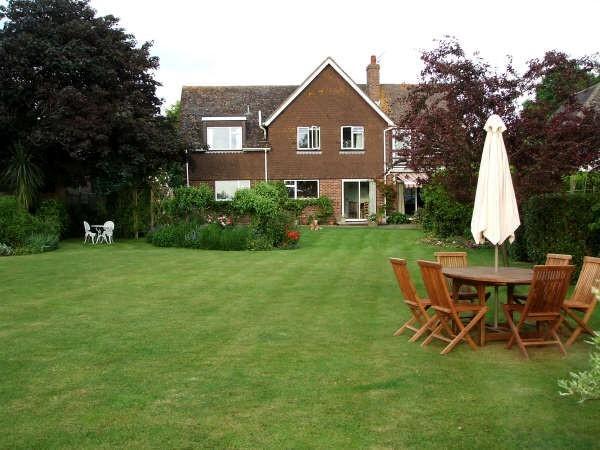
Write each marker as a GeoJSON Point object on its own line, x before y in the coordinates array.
{"type": "Point", "coordinates": [222, 42]}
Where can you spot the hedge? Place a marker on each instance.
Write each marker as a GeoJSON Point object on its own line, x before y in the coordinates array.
{"type": "Point", "coordinates": [442, 215]}
{"type": "Point", "coordinates": [559, 223]}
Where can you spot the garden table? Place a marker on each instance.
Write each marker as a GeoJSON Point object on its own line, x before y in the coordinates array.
{"type": "Point", "coordinates": [99, 230]}
{"type": "Point", "coordinates": [482, 276]}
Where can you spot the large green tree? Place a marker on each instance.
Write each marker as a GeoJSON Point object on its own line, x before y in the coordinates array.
{"type": "Point", "coordinates": [79, 94]}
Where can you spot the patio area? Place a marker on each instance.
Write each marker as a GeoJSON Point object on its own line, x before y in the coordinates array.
{"type": "Point", "coordinates": [132, 345]}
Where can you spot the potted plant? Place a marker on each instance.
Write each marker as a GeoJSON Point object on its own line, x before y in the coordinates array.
{"type": "Point", "coordinates": [372, 220]}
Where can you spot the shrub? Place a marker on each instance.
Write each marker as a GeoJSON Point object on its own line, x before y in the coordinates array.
{"type": "Point", "coordinates": [16, 224]}
{"type": "Point", "coordinates": [560, 223]}
{"type": "Point", "coordinates": [53, 216]}
{"type": "Point", "coordinates": [40, 243]}
{"type": "Point", "coordinates": [189, 204]}
{"type": "Point", "coordinates": [170, 235]}
{"type": "Point", "coordinates": [585, 384]}
{"type": "Point", "coordinates": [442, 215]}
{"type": "Point", "coordinates": [208, 237]}
{"type": "Point", "coordinates": [266, 204]}
{"type": "Point", "coordinates": [323, 205]}
{"type": "Point", "coordinates": [397, 218]}
{"type": "Point", "coordinates": [6, 250]}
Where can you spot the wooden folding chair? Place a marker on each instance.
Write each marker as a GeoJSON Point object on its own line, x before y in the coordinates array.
{"type": "Point", "coordinates": [447, 313]}
{"type": "Point", "coordinates": [543, 306]}
{"type": "Point", "coordinates": [552, 259]}
{"type": "Point", "coordinates": [420, 320]}
{"type": "Point", "coordinates": [582, 300]}
{"type": "Point", "coordinates": [453, 260]}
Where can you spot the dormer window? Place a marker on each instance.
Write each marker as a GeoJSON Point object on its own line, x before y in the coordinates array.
{"type": "Point", "coordinates": [309, 138]}
{"type": "Point", "coordinates": [224, 138]}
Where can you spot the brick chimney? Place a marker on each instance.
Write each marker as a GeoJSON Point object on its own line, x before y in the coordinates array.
{"type": "Point", "coordinates": [373, 90]}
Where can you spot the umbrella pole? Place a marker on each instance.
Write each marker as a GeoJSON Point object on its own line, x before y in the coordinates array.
{"type": "Point", "coordinates": [497, 300]}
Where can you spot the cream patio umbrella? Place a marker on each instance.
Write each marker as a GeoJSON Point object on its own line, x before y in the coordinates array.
{"type": "Point", "coordinates": [495, 214]}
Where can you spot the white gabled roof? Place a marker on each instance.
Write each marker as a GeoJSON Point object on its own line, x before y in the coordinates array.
{"type": "Point", "coordinates": [312, 76]}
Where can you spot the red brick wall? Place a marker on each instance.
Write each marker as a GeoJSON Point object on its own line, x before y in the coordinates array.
{"type": "Point", "coordinates": [328, 102]}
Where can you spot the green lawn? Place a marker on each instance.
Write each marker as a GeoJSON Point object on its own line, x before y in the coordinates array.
{"type": "Point", "coordinates": [134, 346]}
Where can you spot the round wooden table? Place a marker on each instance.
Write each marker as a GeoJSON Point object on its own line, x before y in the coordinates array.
{"type": "Point", "coordinates": [482, 276]}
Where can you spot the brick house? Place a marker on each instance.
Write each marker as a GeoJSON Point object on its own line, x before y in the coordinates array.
{"type": "Point", "coordinates": [328, 136]}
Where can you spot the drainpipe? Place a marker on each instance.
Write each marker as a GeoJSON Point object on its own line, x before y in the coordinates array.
{"type": "Point", "coordinates": [265, 136]}
{"type": "Point", "coordinates": [187, 170]}
{"type": "Point", "coordinates": [385, 171]}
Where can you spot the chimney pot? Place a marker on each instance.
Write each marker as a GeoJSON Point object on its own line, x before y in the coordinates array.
{"type": "Point", "coordinates": [373, 59]}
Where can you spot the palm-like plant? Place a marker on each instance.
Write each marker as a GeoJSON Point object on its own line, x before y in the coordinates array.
{"type": "Point", "coordinates": [23, 175]}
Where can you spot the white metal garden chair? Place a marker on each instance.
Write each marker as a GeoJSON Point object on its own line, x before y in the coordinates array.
{"type": "Point", "coordinates": [88, 233]}
{"type": "Point", "coordinates": [107, 236]}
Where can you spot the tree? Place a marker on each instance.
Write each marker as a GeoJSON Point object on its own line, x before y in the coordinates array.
{"type": "Point", "coordinates": [23, 176]}
{"type": "Point", "coordinates": [549, 137]}
{"type": "Point", "coordinates": [78, 92]}
{"type": "Point", "coordinates": [447, 110]}
{"type": "Point", "coordinates": [555, 134]}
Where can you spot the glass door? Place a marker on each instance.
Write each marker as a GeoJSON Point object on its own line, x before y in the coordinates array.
{"type": "Point", "coordinates": [356, 199]}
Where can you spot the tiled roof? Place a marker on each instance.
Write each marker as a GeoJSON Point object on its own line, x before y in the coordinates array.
{"type": "Point", "coordinates": [217, 101]}
{"type": "Point", "coordinates": [202, 101]}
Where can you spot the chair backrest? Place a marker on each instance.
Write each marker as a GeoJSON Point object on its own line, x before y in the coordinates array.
{"type": "Point", "coordinates": [588, 278]}
{"type": "Point", "coordinates": [555, 259]}
{"type": "Point", "coordinates": [452, 259]}
{"type": "Point", "coordinates": [405, 281]}
{"type": "Point", "coordinates": [548, 289]}
{"type": "Point", "coordinates": [86, 226]}
{"type": "Point", "coordinates": [436, 286]}
{"type": "Point", "coordinates": [109, 226]}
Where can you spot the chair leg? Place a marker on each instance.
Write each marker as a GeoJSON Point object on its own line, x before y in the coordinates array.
{"type": "Point", "coordinates": [558, 341]}
{"type": "Point", "coordinates": [464, 333]}
{"type": "Point", "coordinates": [516, 336]}
{"type": "Point", "coordinates": [432, 335]}
{"type": "Point", "coordinates": [408, 323]}
{"type": "Point", "coordinates": [427, 326]}
{"type": "Point", "coordinates": [582, 324]}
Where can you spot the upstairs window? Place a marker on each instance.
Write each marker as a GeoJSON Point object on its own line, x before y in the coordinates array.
{"type": "Point", "coordinates": [353, 138]}
{"type": "Point", "coordinates": [302, 188]}
{"type": "Point", "coordinates": [401, 139]}
{"type": "Point", "coordinates": [309, 138]}
{"type": "Point", "coordinates": [224, 138]}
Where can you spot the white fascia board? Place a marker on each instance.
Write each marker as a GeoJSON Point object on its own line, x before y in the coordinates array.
{"type": "Point", "coordinates": [312, 76]}
{"type": "Point", "coordinates": [208, 119]}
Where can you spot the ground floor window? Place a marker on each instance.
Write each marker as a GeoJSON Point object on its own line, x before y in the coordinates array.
{"type": "Point", "coordinates": [302, 188]}
{"type": "Point", "coordinates": [225, 190]}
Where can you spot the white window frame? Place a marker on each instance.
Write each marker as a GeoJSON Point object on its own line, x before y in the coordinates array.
{"type": "Point", "coordinates": [353, 128]}
{"type": "Point", "coordinates": [398, 144]}
{"type": "Point", "coordinates": [241, 184]}
{"type": "Point", "coordinates": [314, 133]}
{"type": "Point", "coordinates": [294, 184]}
{"type": "Point", "coordinates": [209, 133]}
